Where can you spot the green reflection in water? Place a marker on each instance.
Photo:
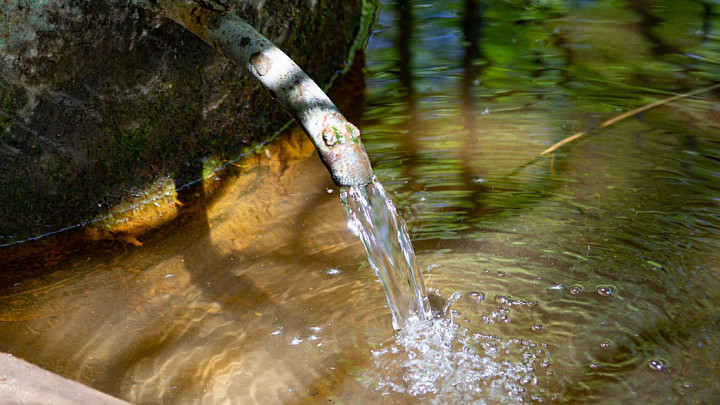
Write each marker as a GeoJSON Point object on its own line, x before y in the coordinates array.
{"type": "Point", "coordinates": [617, 234]}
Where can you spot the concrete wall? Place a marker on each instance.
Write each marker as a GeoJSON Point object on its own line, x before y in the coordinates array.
{"type": "Point", "coordinates": [101, 100]}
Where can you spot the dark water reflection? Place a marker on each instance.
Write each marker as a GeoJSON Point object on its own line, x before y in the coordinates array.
{"type": "Point", "coordinates": [606, 255]}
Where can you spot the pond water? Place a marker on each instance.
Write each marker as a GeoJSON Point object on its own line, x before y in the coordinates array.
{"type": "Point", "coordinates": [591, 275]}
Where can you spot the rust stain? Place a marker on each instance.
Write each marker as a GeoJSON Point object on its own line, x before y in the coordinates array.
{"type": "Point", "coordinates": [261, 63]}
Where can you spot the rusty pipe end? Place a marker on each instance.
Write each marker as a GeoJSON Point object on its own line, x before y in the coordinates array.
{"type": "Point", "coordinates": [344, 155]}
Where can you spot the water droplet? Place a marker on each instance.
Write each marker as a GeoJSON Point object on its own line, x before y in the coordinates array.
{"type": "Point", "coordinates": [501, 273]}
{"type": "Point", "coordinates": [476, 296]}
{"type": "Point", "coordinates": [606, 344]}
{"type": "Point", "coordinates": [606, 290]}
{"type": "Point", "coordinates": [576, 289]}
{"type": "Point", "coordinates": [537, 327]}
{"type": "Point", "coordinates": [594, 365]}
{"type": "Point", "coordinates": [657, 364]}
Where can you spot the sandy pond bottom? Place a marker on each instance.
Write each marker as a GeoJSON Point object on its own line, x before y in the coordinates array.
{"type": "Point", "coordinates": [262, 295]}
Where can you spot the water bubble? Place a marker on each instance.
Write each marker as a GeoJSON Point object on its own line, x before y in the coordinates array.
{"type": "Point", "coordinates": [576, 289]}
{"type": "Point", "coordinates": [594, 366]}
{"type": "Point", "coordinates": [476, 296]}
{"type": "Point", "coordinates": [606, 290]}
{"type": "Point", "coordinates": [537, 327]}
{"type": "Point", "coordinates": [442, 358]}
{"type": "Point", "coordinates": [455, 297]}
{"type": "Point", "coordinates": [527, 378]}
{"type": "Point", "coordinates": [606, 344]}
{"type": "Point", "coordinates": [501, 273]}
{"type": "Point", "coordinates": [491, 349]}
{"type": "Point", "coordinates": [657, 364]}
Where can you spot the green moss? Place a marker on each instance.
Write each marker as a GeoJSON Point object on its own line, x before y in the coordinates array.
{"type": "Point", "coordinates": [338, 136]}
{"type": "Point", "coordinates": [8, 106]}
{"type": "Point", "coordinates": [133, 142]}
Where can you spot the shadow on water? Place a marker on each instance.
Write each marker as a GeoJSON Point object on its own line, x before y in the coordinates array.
{"type": "Point", "coordinates": [211, 303]}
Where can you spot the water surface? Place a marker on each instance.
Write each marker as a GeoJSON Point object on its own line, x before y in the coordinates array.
{"type": "Point", "coordinates": [589, 276]}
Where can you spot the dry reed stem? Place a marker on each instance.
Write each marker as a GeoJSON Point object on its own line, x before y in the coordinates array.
{"type": "Point", "coordinates": [628, 114]}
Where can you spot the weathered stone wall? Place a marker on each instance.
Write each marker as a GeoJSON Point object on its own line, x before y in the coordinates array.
{"type": "Point", "coordinates": [100, 99]}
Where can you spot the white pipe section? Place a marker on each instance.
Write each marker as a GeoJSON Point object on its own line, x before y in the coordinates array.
{"type": "Point", "coordinates": [336, 139]}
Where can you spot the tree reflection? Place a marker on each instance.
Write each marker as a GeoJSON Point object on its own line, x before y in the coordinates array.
{"type": "Point", "coordinates": [473, 64]}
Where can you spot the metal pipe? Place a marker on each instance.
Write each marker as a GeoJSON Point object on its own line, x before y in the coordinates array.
{"type": "Point", "coordinates": [336, 139]}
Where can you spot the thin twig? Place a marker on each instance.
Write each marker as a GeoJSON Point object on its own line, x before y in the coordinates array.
{"type": "Point", "coordinates": [629, 114]}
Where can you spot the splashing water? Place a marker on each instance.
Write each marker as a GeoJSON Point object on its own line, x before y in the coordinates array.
{"type": "Point", "coordinates": [432, 356]}
{"type": "Point", "coordinates": [445, 363]}
{"type": "Point", "coordinates": [372, 217]}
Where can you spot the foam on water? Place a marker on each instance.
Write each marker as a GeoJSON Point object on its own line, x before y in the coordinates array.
{"type": "Point", "coordinates": [437, 359]}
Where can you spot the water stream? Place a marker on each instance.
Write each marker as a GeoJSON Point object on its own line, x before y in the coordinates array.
{"type": "Point", "coordinates": [373, 218]}
{"type": "Point", "coordinates": [437, 356]}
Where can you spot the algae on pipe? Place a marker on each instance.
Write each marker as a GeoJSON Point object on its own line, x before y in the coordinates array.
{"type": "Point", "coordinates": [336, 139]}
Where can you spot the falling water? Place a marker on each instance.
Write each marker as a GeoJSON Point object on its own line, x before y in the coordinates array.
{"type": "Point", "coordinates": [372, 217]}
{"type": "Point", "coordinates": [438, 358]}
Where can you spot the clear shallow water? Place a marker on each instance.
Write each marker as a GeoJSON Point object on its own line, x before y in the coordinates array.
{"type": "Point", "coordinates": [598, 268]}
